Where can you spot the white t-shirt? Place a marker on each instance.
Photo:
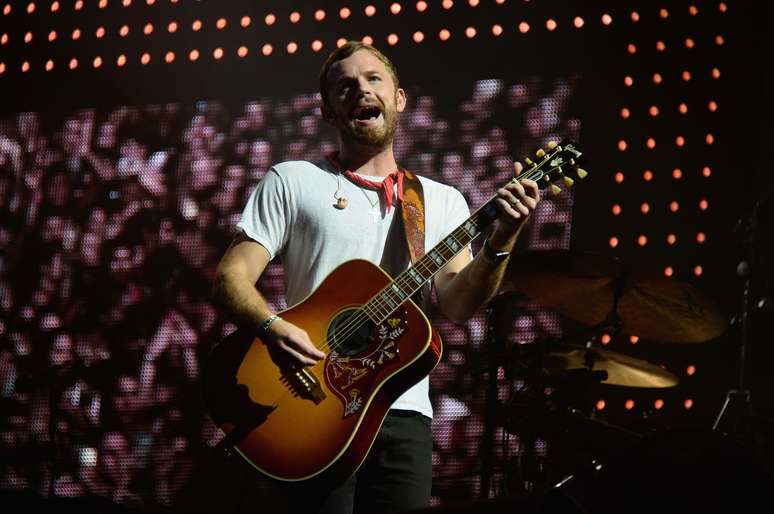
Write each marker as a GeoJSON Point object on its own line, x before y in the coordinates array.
{"type": "Point", "coordinates": [292, 214]}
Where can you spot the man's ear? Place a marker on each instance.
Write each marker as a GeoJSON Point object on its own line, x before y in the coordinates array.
{"type": "Point", "coordinates": [327, 115]}
{"type": "Point", "coordinates": [400, 99]}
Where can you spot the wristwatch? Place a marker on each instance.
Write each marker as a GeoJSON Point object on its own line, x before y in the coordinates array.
{"type": "Point", "coordinates": [492, 255]}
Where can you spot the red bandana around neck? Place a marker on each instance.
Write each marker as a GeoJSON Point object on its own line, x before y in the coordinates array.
{"type": "Point", "coordinates": [385, 187]}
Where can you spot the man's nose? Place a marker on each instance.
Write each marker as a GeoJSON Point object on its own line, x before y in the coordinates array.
{"type": "Point", "coordinates": [364, 87]}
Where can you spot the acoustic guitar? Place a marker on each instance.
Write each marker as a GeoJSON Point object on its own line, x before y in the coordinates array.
{"type": "Point", "coordinates": [319, 422]}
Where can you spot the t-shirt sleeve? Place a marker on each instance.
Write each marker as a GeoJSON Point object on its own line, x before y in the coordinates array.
{"type": "Point", "coordinates": [267, 216]}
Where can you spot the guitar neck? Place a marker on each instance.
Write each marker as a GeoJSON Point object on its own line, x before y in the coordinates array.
{"type": "Point", "coordinates": [410, 281]}
{"type": "Point", "coordinates": [549, 167]}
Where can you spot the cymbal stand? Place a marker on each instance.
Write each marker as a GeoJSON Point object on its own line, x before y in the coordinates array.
{"type": "Point", "coordinates": [739, 398]}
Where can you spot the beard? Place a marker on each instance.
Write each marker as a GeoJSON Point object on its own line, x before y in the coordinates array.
{"type": "Point", "coordinates": [376, 137]}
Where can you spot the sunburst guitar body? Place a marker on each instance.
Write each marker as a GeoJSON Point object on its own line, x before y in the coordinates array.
{"type": "Point", "coordinates": [320, 421]}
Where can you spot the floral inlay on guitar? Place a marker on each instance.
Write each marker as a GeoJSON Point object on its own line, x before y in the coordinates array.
{"type": "Point", "coordinates": [343, 371]}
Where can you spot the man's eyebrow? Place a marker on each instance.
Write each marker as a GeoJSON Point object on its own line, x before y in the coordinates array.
{"type": "Point", "coordinates": [343, 76]}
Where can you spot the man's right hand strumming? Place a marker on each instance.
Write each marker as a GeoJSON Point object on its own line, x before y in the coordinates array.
{"type": "Point", "coordinates": [290, 346]}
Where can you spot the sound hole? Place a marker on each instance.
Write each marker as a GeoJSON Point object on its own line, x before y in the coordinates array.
{"type": "Point", "coordinates": [351, 332]}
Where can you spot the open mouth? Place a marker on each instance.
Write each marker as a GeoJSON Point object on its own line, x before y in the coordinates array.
{"type": "Point", "coordinates": [366, 114]}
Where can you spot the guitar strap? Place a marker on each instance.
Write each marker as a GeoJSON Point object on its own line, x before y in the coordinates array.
{"type": "Point", "coordinates": [413, 210]}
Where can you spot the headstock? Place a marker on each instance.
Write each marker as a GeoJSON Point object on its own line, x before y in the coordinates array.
{"type": "Point", "coordinates": [559, 162]}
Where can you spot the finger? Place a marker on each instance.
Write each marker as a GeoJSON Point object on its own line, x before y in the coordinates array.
{"type": "Point", "coordinates": [513, 191]}
{"type": "Point", "coordinates": [517, 167]}
{"type": "Point", "coordinates": [516, 197]}
{"type": "Point", "coordinates": [296, 357]}
{"type": "Point", "coordinates": [531, 187]}
{"type": "Point", "coordinates": [508, 209]}
{"type": "Point", "coordinates": [305, 346]}
{"type": "Point", "coordinates": [524, 191]}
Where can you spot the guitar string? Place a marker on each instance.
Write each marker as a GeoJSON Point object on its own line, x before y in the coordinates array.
{"type": "Point", "coordinates": [361, 317]}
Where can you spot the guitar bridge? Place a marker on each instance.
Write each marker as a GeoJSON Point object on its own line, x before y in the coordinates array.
{"type": "Point", "coordinates": [303, 383]}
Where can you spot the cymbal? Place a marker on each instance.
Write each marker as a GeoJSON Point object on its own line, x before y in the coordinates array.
{"type": "Point", "coordinates": [583, 287]}
{"type": "Point", "coordinates": [622, 370]}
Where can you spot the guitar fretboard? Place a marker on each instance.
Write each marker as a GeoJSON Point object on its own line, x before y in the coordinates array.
{"type": "Point", "coordinates": [410, 281]}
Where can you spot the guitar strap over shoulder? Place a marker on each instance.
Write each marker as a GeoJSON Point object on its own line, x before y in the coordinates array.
{"type": "Point", "coordinates": [413, 210]}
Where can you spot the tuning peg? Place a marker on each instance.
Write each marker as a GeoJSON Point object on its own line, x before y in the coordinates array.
{"type": "Point", "coordinates": [555, 190]}
{"type": "Point", "coordinates": [528, 161]}
{"type": "Point", "coordinates": [546, 179]}
{"type": "Point", "coordinates": [540, 153]}
{"type": "Point", "coordinates": [568, 181]}
{"type": "Point", "coordinates": [581, 173]}
{"type": "Point", "coordinates": [552, 144]}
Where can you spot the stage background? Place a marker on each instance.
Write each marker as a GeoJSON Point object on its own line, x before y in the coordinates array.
{"type": "Point", "coordinates": [122, 178]}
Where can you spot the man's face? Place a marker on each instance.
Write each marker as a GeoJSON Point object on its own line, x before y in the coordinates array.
{"type": "Point", "coordinates": [363, 101]}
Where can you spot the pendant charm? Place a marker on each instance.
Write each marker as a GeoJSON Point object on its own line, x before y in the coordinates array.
{"type": "Point", "coordinates": [341, 203]}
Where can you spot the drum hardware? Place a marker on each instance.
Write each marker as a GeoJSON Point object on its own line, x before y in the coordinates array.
{"type": "Point", "coordinates": [598, 290]}
{"type": "Point", "coordinates": [738, 399]}
{"type": "Point", "coordinates": [557, 441]}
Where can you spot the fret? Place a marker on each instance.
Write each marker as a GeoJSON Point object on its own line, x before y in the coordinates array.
{"type": "Point", "coordinates": [490, 210]}
{"type": "Point", "coordinates": [452, 244]}
{"type": "Point", "coordinates": [398, 291]}
{"type": "Point", "coordinates": [436, 257]}
{"type": "Point", "coordinates": [419, 279]}
{"type": "Point", "coordinates": [470, 228]}
{"type": "Point", "coordinates": [412, 280]}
